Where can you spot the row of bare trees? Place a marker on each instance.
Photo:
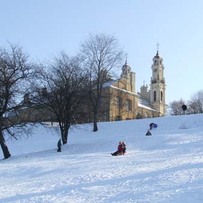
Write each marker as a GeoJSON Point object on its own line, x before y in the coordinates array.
{"type": "Point", "coordinates": [62, 86]}
{"type": "Point", "coordinates": [194, 105]}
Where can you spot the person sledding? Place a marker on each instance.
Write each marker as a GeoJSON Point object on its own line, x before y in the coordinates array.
{"type": "Point", "coordinates": [148, 133]}
{"type": "Point", "coordinates": [121, 149]}
{"type": "Point", "coordinates": [124, 147]}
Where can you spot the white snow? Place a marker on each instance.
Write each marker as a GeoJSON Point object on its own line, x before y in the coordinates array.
{"type": "Point", "coordinates": [162, 168]}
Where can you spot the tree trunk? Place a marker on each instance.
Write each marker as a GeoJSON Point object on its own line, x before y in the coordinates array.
{"type": "Point", "coordinates": [64, 134]}
{"type": "Point", "coordinates": [4, 146]}
{"type": "Point", "coordinates": [64, 137]}
{"type": "Point", "coordinates": [95, 127]}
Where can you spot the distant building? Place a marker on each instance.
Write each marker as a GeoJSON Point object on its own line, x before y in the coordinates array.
{"type": "Point", "coordinates": [124, 103]}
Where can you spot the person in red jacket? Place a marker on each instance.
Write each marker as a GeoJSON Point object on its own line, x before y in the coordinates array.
{"type": "Point", "coordinates": [119, 150]}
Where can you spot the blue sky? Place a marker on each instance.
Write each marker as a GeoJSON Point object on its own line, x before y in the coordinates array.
{"type": "Point", "coordinates": [46, 27]}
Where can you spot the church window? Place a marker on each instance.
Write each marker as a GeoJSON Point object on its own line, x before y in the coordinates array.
{"type": "Point", "coordinates": [154, 95]}
{"type": "Point", "coordinates": [128, 105]}
{"type": "Point", "coordinates": [119, 102]}
{"type": "Point", "coordinates": [161, 95]}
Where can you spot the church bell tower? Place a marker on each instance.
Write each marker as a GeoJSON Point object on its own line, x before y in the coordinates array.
{"type": "Point", "coordinates": [129, 77]}
{"type": "Point", "coordinates": [158, 86]}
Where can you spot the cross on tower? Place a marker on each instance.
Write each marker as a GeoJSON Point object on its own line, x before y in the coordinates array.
{"type": "Point", "coordinates": [126, 59]}
{"type": "Point", "coordinates": [157, 46]}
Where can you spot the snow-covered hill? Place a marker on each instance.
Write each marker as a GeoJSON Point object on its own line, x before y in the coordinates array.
{"type": "Point", "coordinates": [165, 167]}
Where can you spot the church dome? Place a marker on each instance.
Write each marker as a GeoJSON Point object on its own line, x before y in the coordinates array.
{"type": "Point", "coordinates": [126, 69]}
{"type": "Point", "coordinates": [126, 66]}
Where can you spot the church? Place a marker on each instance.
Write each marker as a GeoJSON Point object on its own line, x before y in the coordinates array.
{"type": "Point", "coordinates": [119, 100]}
{"type": "Point", "coordinates": [125, 103]}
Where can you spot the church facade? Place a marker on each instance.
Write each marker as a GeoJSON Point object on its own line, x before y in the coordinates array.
{"type": "Point", "coordinates": [124, 103]}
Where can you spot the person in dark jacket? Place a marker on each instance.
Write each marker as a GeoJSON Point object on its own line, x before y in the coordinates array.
{"type": "Point", "coordinates": [119, 150]}
{"type": "Point", "coordinates": [148, 133]}
{"type": "Point", "coordinates": [59, 145]}
{"type": "Point", "coordinates": [152, 125]}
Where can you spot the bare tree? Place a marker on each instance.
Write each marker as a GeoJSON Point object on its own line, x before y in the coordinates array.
{"type": "Point", "coordinates": [101, 54]}
{"type": "Point", "coordinates": [60, 91]}
{"type": "Point", "coordinates": [176, 107]}
{"type": "Point", "coordinates": [195, 105]}
{"type": "Point", "coordinates": [14, 72]}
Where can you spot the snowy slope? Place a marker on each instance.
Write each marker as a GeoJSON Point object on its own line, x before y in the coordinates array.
{"type": "Point", "coordinates": [165, 167]}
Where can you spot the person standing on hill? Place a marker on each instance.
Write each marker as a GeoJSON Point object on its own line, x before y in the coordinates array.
{"type": "Point", "coordinates": [152, 125]}
{"type": "Point", "coordinates": [59, 145]}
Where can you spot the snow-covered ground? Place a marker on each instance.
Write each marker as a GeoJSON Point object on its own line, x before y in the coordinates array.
{"type": "Point", "coordinates": [165, 167]}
